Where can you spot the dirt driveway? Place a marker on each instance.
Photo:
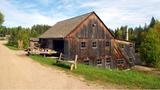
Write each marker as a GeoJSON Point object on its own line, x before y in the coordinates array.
{"type": "Point", "coordinates": [20, 72]}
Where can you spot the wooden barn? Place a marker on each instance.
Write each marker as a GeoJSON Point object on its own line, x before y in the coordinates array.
{"type": "Point", "coordinates": [89, 38]}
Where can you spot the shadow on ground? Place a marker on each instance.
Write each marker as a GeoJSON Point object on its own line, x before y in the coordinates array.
{"type": "Point", "coordinates": [62, 65]}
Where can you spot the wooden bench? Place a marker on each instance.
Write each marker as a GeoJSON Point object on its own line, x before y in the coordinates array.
{"type": "Point", "coordinates": [72, 63]}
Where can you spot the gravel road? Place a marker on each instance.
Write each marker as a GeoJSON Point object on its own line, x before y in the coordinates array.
{"type": "Point", "coordinates": [18, 71]}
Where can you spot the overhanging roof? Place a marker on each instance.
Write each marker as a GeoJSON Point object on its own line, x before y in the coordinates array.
{"type": "Point", "coordinates": [63, 28]}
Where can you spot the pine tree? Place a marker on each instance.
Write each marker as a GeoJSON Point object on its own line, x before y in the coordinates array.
{"type": "Point", "coordinates": [150, 46]}
{"type": "Point", "coordinates": [152, 23]}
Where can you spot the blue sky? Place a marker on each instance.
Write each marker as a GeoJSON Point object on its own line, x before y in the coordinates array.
{"type": "Point", "coordinates": [113, 13]}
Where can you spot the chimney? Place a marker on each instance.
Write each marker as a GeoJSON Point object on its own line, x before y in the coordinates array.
{"type": "Point", "coordinates": [127, 34]}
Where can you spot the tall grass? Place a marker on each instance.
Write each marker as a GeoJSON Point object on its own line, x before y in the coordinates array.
{"type": "Point", "coordinates": [131, 79]}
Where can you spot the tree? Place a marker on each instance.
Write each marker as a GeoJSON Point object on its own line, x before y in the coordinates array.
{"type": "Point", "coordinates": [1, 18]}
{"type": "Point", "coordinates": [37, 30]}
{"type": "Point", "coordinates": [118, 33]}
{"type": "Point", "coordinates": [20, 34]}
{"type": "Point", "coordinates": [150, 46]}
{"type": "Point", "coordinates": [124, 30]}
{"type": "Point", "coordinates": [13, 37]}
{"type": "Point", "coordinates": [131, 34]}
{"type": "Point", "coordinates": [152, 23]}
{"type": "Point", "coordinates": [112, 32]}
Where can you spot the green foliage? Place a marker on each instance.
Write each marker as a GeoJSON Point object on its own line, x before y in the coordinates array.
{"type": "Point", "coordinates": [152, 23]}
{"type": "Point", "coordinates": [13, 38]}
{"type": "Point", "coordinates": [1, 18]}
{"type": "Point", "coordinates": [11, 47]}
{"type": "Point", "coordinates": [118, 33]}
{"type": "Point", "coordinates": [37, 30]}
{"type": "Point", "coordinates": [19, 33]}
{"type": "Point", "coordinates": [135, 34]}
{"type": "Point", "coordinates": [132, 79]}
{"type": "Point", "coordinates": [24, 34]}
{"type": "Point", "coordinates": [131, 34]}
{"type": "Point", "coordinates": [150, 46]}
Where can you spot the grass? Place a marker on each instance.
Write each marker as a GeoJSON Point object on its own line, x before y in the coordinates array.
{"type": "Point", "coordinates": [12, 47]}
{"type": "Point", "coordinates": [131, 79]}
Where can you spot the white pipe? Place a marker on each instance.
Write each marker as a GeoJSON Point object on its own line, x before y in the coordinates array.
{"type": "Point", "coordinates": [127, 34]}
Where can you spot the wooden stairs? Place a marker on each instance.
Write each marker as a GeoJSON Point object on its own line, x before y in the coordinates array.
{"type": "Point", "coordinates": [122, 54]}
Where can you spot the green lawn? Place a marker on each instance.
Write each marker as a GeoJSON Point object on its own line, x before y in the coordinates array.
{"type": "Point", "coordinates": [131, 79]}
{"type": "Point", "coordinates": [12, 47]}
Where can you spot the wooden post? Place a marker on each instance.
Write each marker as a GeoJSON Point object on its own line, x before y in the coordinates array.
{"type": "Point", "coordinates": [75, 62]}
{"type": "Point", "coordinates": [60, 56]}
{"type": "Point", "coordinates": [72, 65]}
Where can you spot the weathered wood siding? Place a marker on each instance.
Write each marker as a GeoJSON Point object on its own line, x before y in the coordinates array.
{"type": "Point", "coordinates": [91, 30]}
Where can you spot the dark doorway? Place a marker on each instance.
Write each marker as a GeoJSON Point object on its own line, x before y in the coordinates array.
{"type": "Point", "coordinates": [58, 45]}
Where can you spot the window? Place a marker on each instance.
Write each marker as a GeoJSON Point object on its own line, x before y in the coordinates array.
{"type": "Point", "coordinates": [99, 62]}
{"type": "Point", "coordinates": [108, 60]}
{"type": "Point", "coordinates": [86, 62]}
{"type": "Point", "coordinates": [130, 45]}
{"type": "Point", "coordinates": [120, 61]}
{"type": "Point", "coordinates": [108, 63]}
{"type": "Point", "coordinates": [94, 44]}
{"type": "Point", "coordinates": [107, 43]}
{"type": "Point", "coordinates": [130, 59]}
{"type": "Point", "coordinates": [94, 25]}
{"type": "Point", "coordinates": [83, 44]}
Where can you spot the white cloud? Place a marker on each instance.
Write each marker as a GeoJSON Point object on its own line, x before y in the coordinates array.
{"type": "Point", "coordinates": [114, 13]}
{"type": "Point", "coordinates": [16, 17]}
{"type": "Point", "coordinates": [124, 12]}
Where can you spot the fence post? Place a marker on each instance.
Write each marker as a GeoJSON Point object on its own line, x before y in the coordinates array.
{"type": "Point", "coordinates": [75, 62]}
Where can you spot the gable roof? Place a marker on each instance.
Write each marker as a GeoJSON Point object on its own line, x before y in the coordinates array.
{"type": "Point", "coordinates": [62, 28]}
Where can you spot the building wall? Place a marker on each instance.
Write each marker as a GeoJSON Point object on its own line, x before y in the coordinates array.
{"type": "Point", "coordinates": [103, 55]}
{"type": "Point", "coordinates": [91, 30]}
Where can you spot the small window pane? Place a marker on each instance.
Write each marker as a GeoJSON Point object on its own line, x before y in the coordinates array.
{"type": "Point", "coordinates": [120, 62]}
{"type": "Point", "coordinates": [86, 62]}
{"type": "Point", "coordinates": [107, 44]}
{"type": "Point", "coordinates": [94, 25]}
{"type": "Point", "coordinates": [130, 59]}
{"type": "Point", "coordinates": [83, 44]}
{"type": "Point", "coordinates": [94, 44]}
{"type": "Point", "coordinates": [130, 45]}
{"type": "Point", "coordinates": [99, 61]}
{"type": "Point", "coordinates": [108, 63]}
